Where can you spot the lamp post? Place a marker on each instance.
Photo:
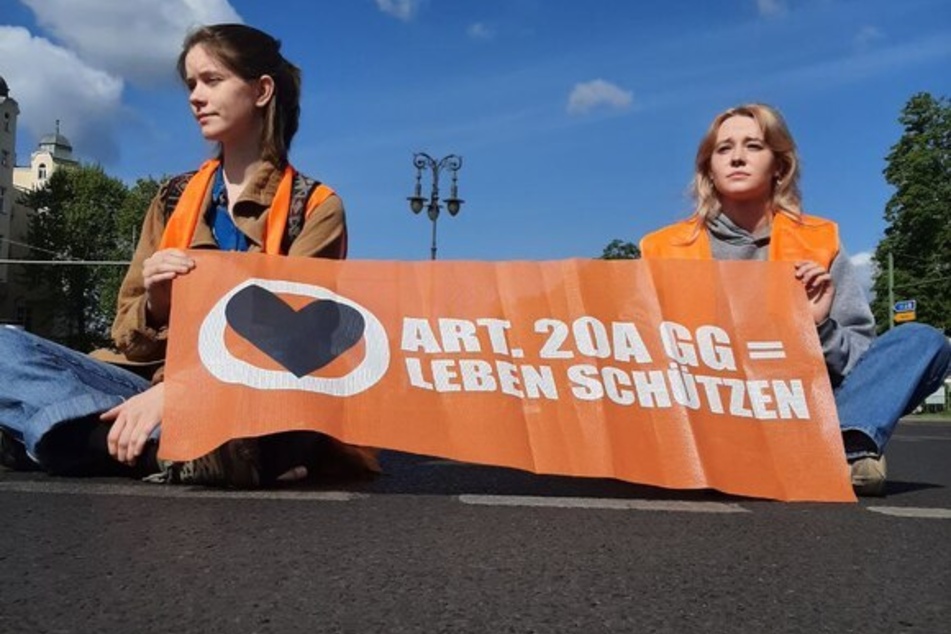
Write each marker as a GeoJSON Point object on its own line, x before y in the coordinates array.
{"type": "Point", "coordinates": [424, 161]}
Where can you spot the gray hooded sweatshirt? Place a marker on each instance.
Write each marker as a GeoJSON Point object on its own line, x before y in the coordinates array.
{"type": "Point", "coordinates": [850, 328]}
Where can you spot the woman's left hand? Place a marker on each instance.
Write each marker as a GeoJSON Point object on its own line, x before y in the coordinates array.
{"type": "Point", "coordinates": [132, 423]}
{"type": "Point", "coordinates": [819, 289]}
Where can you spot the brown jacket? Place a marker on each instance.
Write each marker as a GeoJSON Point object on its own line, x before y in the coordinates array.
{"type": "Point", "coordinates": [139, 341]}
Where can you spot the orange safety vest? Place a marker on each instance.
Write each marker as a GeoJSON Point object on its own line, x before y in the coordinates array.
{"type": "Point", "coordinates": [338, 458]}
{"type": "Point", "coordinates": [180, 228]}
{"type": "Point", "coordinates": [806, 238]}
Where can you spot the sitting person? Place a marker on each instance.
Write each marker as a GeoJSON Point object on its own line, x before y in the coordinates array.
{"type": "Point", "coordinates": [746, 186]}
{"type": "Point", "coordinates": [71, 414]}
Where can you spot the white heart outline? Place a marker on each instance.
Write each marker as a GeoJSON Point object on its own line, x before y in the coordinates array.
{"type": "Point", "coordinates": [225, 367]}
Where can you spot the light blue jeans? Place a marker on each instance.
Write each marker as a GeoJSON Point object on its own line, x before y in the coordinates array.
{"type": "Point", "coordinates": [900, 369]}
{"type": "Point", "coordinates": [44, 385]}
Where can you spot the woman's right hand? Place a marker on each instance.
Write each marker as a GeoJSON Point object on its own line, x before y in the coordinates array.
{"type": "Point", "coordinates": [820, 289]}
{"type": "Point", "coordinates": [133, 422]}
{"type": "Point", "coordinates": [158, 271]}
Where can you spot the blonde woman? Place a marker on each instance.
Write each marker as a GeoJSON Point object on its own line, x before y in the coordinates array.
{"type": "Point", "coordinates": [748, 207]}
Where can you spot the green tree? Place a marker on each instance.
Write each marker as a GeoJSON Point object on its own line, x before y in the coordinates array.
{"type": "Point", "coordinates": [918, 235]}
{"type": "Point", "coordinates": [620, 250]}
{"type": "Point", "coordinates": [129, 220]}
{"type": "Point", "coordinates": [75, 219]}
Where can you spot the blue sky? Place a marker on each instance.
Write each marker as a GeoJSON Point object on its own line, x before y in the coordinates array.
{"type": "Point", "coordinates": [577, 121]}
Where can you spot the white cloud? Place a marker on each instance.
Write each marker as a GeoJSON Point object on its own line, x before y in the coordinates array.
{"type": "Point", "coordinates": [867, 36]}
{"type": "Point", "coordinates": [864, 270]}
{"type": "Point", "coordinates": [50, 82]}
{"type": "Point", "coordinates": [771, 8]}
{"type": "Point", "coordinates": [138, 40]}
{"type": "Point", "coordinates": [402, 9]}
{"type": "Point", "coordinates": [479, 31]}
{"type": "Point", "coordinates": [586, 96]}
{"type": "Point", "coordinates": [77, 71]}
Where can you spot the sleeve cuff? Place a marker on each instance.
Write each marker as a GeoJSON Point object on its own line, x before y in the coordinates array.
{"type": "Point", "coordinates": [826, 329]}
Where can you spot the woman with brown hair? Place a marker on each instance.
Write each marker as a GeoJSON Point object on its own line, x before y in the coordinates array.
{"type": "Point", "coordinates": [63, 411]}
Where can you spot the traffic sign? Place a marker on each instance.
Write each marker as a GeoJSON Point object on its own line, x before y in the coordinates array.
{"type": "Point", "coordinates": [906, 306]}
{"type": "Point", "coordinates": [906, 316]}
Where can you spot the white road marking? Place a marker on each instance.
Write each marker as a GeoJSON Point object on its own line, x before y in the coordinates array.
{"type": "Point", "coordinates": [179, 491]}
{"type": "Point", "coordinates": [602, 503]}
{"type": "Point", "coordinates": [912, 511]}
{"type": "Point", "coordinates": [921, 438]}
{"type": "Point", "coordinates": [176, 491]}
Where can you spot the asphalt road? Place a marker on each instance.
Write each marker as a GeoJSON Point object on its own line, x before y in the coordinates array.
{"type": "Point", "coordinates": [436, 546]}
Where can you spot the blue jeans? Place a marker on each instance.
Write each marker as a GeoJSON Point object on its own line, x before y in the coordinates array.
{"type": "Point", "coordinates": [44, 385]}
{"type": "Point", "coordinates": [895, 374]}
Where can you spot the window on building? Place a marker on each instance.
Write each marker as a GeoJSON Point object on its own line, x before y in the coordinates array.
{"type": "Point", "coordinates": [5, 159]}
{"type": "Point", "coordinates": [41, 171]}
{"type": "Point", "coordinates": [6, 121]}
{"type": "Point", "coordinates": [3, 200]}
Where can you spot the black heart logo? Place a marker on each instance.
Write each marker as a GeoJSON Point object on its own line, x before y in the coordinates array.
{"type": "Point", "coordinates": [302, 341]}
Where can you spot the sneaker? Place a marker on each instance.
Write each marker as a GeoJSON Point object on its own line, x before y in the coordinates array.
{"type": "Point", "coordinates": [868, 476]}
{"type": "Point", "coordinates": [13, 454]}
{"type": "Point", "coordinates": [234, 464]}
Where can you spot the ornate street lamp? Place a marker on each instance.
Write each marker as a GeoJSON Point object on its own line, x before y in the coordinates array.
{"type": "Point", "coordinates": [453, 204]}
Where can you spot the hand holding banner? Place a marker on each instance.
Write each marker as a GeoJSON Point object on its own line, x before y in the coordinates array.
{"type": "Point", "coordinates": [681, 374]}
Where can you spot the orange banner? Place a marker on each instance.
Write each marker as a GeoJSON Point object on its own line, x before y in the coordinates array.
{"type": "Point", "coordinates": [680, 374]}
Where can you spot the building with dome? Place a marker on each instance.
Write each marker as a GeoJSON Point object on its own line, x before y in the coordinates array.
{"type": "Point", "coordinates": [52, 152]}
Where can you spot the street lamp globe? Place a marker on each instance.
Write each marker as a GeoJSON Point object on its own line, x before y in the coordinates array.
{"type": "Point", "coordinates": [453, 205]}
{"type": "Point", "coordinates": [416, 203]}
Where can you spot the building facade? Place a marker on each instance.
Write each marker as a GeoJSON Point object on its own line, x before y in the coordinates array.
{"type": "Point", "coordinates": [53, 151]}
{"type": "Point", "coordinates": [9, 209]}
